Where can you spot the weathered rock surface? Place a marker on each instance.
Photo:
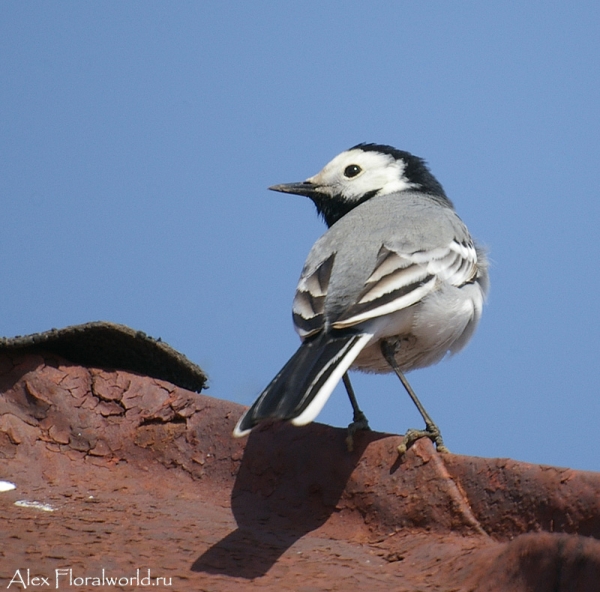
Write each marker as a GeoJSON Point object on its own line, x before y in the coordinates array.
{"type": "Point", "coordinates": [142, 474]}
{"type": "Point", "coordinates": [102, 344]}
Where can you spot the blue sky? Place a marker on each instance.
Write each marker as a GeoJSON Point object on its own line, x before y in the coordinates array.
{"type": "Point", "coordinates": [138, 139]}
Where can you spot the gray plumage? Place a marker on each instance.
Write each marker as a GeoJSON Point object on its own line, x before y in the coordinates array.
{"type": "Point", "coordinates": [398, 267]}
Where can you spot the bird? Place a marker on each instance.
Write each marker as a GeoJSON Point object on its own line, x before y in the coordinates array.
{"type": "Point", "coordinates": [396, 283]}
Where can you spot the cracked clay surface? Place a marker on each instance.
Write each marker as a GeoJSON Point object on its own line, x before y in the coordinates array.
{"type": "Point", "coordinates": [118, 472]}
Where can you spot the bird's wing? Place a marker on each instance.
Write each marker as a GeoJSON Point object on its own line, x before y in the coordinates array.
{"type": "Point", "coordinates": [308, 308]}
{"type": "Point", "coordinates": [400, 279]}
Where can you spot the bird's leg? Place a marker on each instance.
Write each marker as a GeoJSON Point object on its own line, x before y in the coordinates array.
{"type": "Point", "coordinates": [359, 419]}
{"type": "Point", "coordinates": [431, 430]}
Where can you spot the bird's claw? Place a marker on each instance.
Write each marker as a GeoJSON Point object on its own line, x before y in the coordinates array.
{"type": "Point", "coordinates": [432, 432]}
{"type": "Point", "coordinates": [359, 423]}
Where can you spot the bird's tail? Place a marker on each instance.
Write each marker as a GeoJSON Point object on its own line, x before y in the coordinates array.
{"type": "Point", "coordinates": [304, 384]}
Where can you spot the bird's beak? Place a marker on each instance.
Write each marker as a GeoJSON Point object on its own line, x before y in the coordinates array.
{"type": "Point", "coordinates": [304, 188]}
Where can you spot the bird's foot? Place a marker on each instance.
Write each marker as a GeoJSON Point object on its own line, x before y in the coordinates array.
{"type": "Point", "coordinates": [431, 431]}
{"type": "Point", "coordinates": [359, 423]}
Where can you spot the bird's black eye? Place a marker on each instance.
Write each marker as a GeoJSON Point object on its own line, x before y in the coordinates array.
{"type": "Point", "coordinates": [352, 170]}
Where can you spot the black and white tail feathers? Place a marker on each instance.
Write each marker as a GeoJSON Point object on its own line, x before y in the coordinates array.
{"type": "Point", "coordinates": [302, 387]}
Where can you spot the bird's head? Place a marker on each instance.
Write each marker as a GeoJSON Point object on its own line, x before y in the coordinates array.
{"type": "Point", "coordinates": [358, 174]}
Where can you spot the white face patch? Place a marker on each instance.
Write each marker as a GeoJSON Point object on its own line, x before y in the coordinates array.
{"type": "Point", "coordinates": [378, 172]}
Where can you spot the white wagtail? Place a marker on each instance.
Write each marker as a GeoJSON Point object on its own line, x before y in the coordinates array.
{"type": "Point", "coordinates": [395, 284]}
